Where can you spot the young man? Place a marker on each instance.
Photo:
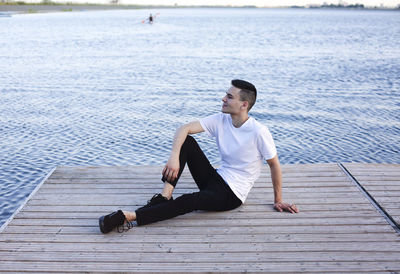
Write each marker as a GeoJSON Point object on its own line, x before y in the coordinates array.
{"type": "Point", "coordinates": [243, 144]}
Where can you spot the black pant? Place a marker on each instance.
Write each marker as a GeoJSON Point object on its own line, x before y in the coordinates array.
{"type": "Point", "coordinates": [214, 194]}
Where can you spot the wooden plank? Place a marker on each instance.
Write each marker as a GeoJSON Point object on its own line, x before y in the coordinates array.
{"type": "Point", "coordinates": [200, 238]}
{"type": "Point", "coordinates": [382, 182]}
{"type": "Point", "coordinates": [185, 180]}
{"type": "Point", "coordinates": [236, 214]}
{"type": "Point", "coordinates": [102, 174]}
{"type": "Point", "coordinates": [252, 196]}
{"type": "Point", "coordinates": [99, 174]}
{"type": "Point", "coordinates": [216, 257]}
{"type": "Point", "coordinates": [373, 165]}
{"type": "Point", "coordinates": [101, 196]}
{"type": "Point", "coordinates": [209, 247]}
{"type": "Point", "coordinates": [376, 220]}
{"type": "Point", "coordinates": [240, 230]}
{"type": "Point", "coordinates": [337, 229]}
{"type": "Point", "coordinates": [128, 202]}
{"type": "Point", "coordinates": [247, 207]}
{"type": "Point", "coordinates": [128, 189]}
{"type": "Point", "coordinates": [392, 183]}
{"type": "Point", "coordinates": [182, 267]}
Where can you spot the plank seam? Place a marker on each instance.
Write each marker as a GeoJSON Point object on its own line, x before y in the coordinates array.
{"type": "Point", "coordinates": [27, 199]}
{"type": "Point", "coordinates": [372, 200]}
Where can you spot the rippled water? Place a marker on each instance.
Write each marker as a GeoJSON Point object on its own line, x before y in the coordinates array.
{"type": "Point", "coordinates": [101, 88]}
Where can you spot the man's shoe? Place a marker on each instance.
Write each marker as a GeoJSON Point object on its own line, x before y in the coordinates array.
{"type": "Point", "coordinates": [111, 221]}
{"type": "Point", "coordinates": [155, 200]}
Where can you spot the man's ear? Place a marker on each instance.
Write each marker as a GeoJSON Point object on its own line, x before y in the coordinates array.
{"type": "Point", "coordinates": [244, 105]}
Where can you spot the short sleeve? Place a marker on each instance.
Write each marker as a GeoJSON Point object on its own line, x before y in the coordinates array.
{"type": "Point", "coordinates": [265, 144]}
{"type": "Point", "coordinates": [210, 124]}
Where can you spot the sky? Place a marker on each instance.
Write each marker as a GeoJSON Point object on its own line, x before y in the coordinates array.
{"type": "Point", "coordinates": [258, 3]}
{"type": "Point", "coordinates": [261, 3]}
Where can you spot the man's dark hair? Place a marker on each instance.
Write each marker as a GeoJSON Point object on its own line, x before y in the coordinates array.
{"type": "Point", "coordinates": [248, 92]}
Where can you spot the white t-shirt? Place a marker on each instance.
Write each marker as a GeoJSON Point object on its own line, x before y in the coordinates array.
{"type": "Point", "coordinates": [242, 150]}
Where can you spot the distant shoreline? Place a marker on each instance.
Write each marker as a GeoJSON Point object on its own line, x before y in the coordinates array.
{"type": "Point", "coordinates": [22, 7]}
{"type": "Point", "coordinates": [42, 8]}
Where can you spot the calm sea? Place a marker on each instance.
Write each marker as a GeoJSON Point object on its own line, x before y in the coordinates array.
{"type": "Point", "coordinates": [102, 88]}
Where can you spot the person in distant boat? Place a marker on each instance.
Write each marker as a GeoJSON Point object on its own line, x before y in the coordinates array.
{"type": "Point", "coordinates": [150, 19]}
{"type": "Point", "coordinates": [243, 144]}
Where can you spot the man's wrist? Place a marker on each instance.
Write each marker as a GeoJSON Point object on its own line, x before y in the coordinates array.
{"type": "Point", "coordinates": [173, 156]}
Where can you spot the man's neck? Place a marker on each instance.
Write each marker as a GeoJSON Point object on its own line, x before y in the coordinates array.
{"type": "Point", "coordinates": [239, 119]}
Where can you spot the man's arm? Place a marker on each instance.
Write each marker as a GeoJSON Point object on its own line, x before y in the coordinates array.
{"type": "Point", "coordinates": [276, 177]}
{"type": "Point", "coordinates": [171, 169]}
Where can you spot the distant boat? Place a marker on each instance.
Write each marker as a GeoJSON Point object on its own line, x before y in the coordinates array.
{"type": "Point", "coordinates": [5, 14]}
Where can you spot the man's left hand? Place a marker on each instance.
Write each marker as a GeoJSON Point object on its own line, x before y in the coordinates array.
{"type": "Point", "coordinates": [292, 208]}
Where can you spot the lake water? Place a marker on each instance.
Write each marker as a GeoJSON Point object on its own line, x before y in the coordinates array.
{"type": "Point", "coordinates": [101, 88]}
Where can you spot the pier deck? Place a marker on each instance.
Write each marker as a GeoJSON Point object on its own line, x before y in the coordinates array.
{"type": "Point", "coordinates": [339, 228]}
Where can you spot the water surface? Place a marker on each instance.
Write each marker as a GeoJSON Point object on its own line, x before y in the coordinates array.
{"type": "Point", "coordinates": [101, 88]}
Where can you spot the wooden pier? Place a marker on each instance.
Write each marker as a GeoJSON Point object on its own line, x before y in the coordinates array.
{"type": "Point", "coordinates": [349, 223]}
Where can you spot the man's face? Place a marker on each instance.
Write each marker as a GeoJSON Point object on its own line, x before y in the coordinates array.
{"type": "Point", "coordinates": [231, 102]}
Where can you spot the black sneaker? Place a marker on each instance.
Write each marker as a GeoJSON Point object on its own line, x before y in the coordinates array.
{"type": "Point", "coordinates": [111, 221]}
{"type": "Point", "coordinates": [155, 200]}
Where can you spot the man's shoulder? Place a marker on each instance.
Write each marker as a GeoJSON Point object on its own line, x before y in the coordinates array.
{"type": "Point", "coordinates": [257, 126]}
{"type": "Point", "coordinates": [214, 120]}
{"type": "Point", "coordinates": [217, 117]}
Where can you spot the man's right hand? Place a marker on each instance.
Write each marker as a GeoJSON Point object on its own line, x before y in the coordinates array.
{"type": "Point", "coordinates": [171, 169]}
{"type": "Point", "coordinates": [292, 208]}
